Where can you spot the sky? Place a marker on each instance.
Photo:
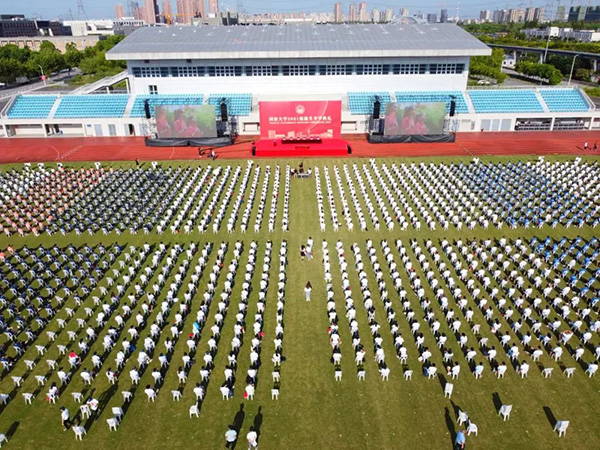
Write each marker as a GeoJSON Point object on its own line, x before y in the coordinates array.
{"type": "Point", "coordinates": [100, 9]}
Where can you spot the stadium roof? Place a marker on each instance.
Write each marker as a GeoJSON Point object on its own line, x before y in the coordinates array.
{"type": "Point", "coordinates": [298, 41]}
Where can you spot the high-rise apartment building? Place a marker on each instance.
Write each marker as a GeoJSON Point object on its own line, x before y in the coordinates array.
{"type": "Point", "coordinates": [363, 16]}
{"type": "Point", "coordinates": [152, 11]}
{"type": "Point", "coordinates": [337, 13]}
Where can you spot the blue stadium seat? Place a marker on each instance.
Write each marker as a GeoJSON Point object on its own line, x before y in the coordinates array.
{"type": "Point", "coordinates": [138, 105]}
{"type": "Point", "coordinates": [237, 104]}
{"type": "Point", "coordinates": [564, 100]}
{"type": "Point", "coordinates": [505, 100]}
{"type": "Point", "coordinates": [434, 97]}
{"type": "Point", "coordinates": [32, 106]}
{"type": "Point", "coordinates": [92, 106]}
{"type": "Point", "coordinates": [361, 103]}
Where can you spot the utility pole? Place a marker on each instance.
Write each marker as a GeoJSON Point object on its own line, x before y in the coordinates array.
{"type": "Point", "coordinates": [81, 14]}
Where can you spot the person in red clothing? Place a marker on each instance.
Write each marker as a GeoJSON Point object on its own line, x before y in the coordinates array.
{"type": "Point", "coordinates": [179, 125]}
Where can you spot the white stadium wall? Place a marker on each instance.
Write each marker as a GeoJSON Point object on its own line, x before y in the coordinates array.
{"type": "Point", "coordinates": [301, 85]}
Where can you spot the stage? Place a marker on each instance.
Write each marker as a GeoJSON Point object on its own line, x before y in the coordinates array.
{"type": "Point", "coordinates": [300, 147]}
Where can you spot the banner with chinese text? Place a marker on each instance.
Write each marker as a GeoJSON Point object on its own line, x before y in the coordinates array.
{"type": "Point", "coordinates": [300, 119]}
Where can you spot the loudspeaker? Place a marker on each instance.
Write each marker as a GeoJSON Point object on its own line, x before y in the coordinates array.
{"type": "Point", "coordinates": [223, 111]}
{"type": "Point", "coordinates": [147, 109]}
{"type": "Point", "coordinates": [452, 108]}
{"type": "Point", "coordinates": [376, 109]}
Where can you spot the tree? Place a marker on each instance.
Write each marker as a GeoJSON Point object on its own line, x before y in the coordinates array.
{"type": "Point", "coordinates": [541, 71]}
{"type": "Point", "coordinates": [583, 75]}
{"type": "Point", "coordinates": [72, 56]}
{"type": "Point", "coordinates": [10, 69]}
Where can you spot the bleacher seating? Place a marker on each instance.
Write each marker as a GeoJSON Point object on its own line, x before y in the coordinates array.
{"type": "Point", "coordinates": [237, 104]}
{"type": "Point", "coordinates": [362, 102]}
{"type": "Point", "coordinates": [433, 97]}
{"type": "Point", "coordinates": [92, 106]}
{"type": "Point", "coordinates": [505, 101]}
{"type": "Point", "coordinates": [564, 100]}
{"type": "Point", "coordinates": [32, 106]}
{"type": "Point", "coordinates": [138, 105]}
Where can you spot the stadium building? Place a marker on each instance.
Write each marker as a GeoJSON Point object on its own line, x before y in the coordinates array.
{"type": "Point", "coordinates": [358, 65]}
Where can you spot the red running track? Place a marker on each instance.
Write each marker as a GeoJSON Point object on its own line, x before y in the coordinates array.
{"type": "Point", "coordinates": [15, 150]}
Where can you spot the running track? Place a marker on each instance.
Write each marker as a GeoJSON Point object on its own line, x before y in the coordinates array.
{"type": "Point", "coordinates": [57, 149]}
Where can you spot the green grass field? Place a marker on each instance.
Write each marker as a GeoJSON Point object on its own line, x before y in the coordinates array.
{"type": "Point", "coordinates": [313, 410]}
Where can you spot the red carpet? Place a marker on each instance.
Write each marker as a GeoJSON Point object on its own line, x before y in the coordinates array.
{"type": "Point", "coordinates": [276, 148]}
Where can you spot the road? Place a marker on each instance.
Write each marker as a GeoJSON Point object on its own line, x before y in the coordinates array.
{"type": "Point", "coordinates": [52, 80]}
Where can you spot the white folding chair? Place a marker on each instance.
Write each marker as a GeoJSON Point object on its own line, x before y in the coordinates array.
{"type": "Point", "coordinates": [77, 396]}
{"type": "Point", "coordinates": [448, 388]}
{"type": "Point", "coordinates": [338, 375]}
{"type": "Point", "coordinates": [28, 397]}
{"type": "Point", "coordinates": [86, 412]}
{"type": "Point", "coordinates": [462, 418]}
{"type": "Point", "coordinates": [126, 395]}
{"type": "Point", "coordinates": [472, 428]}
{"type": "Point", "coordinates": [274, 394]}
{"type": "Point", "coordinates": [112, 424]}
{"type": "Point", "coordinates": [547, 372]}
{"type": "Point", "coordinates": [79, 432]}
{"type": "Point", "coordinates": [408, 375]}
{"type": "Point", "coordinates": [361, 375]}
{"type": "Point", "coordinates": [569, 371]}
{"type": "Point", "coordinates": [118, 412]}
{"type": "Point", "coordinates": [17, 381]}
{"type": "Point", "coordinates": [505, 411]}
{"type": "Point", "coordinates": [561, 426]}
{"type": "Point", "coordinates": [194, 411]}
{"type": "Point", "coordinates": [176, 395]}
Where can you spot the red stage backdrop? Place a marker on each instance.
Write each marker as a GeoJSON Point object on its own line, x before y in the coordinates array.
{"type": "Point", "coordinates": [293, 119]}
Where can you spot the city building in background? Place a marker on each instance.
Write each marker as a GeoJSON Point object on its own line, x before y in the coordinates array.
{"type": "Point", "coordinates": [119, 12]}
{"type": "Point", "coordinates": [167, 12]}
{"type": "Point", "coordinates": [444, 16]}
{"type": "Point", "coordinates": [337, 13]}
{"type": "Point", "coordinates": [562, 33]}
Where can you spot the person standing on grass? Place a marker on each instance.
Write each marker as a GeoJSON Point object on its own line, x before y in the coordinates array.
{"type": "Point", "coordinates": [64, 417]}
{"type": "Point", "coordinates": [596, 146]}
{"type": "Point", "coordinates": [307, 291]}
{"type": "Point", "coordinates": [230, 437]}
{"type": "Point", "coordinates": [252, 438]}
{"type": "Point", "coordinates": [302, 252]}
{"type": "Point", "coordinates": [461, 440]}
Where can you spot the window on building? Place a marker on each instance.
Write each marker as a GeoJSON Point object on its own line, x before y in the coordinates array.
{"type": "Point", "coordinates": [337, 69]}
{"type": "Point", "coordinates": [190, 71]}
{"type": "Point", "coordinates": [297, 70]}
{"type": "Point", "coordinates": [442, 68]}
{"type": "Point", "coordinates": [112, 130]}
{"type": "Point", "coordinates": [261, 71]}
{"type": "Point", "coordinates": [149, 72]}
{"type": "Point", "coordinates": [372, 69]}
{"type": "Point", "coordinates": [153, 89]}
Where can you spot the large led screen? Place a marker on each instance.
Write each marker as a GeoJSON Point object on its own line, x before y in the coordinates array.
{"type": "Point", "coordinates": [414, 118]}
{"type": "Point", "coordinates": [185, 121]}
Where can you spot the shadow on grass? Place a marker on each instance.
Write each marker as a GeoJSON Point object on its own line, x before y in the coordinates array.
{"type": "Point", "coordinates": [497, 401]}
{"type": "Point", "coordinates": [258, 420]}
{"type": "Point", "coordinates": [450, 426]}
{"type": "Point", "coordinates": [550, 416]}
{"type": "Point", "coordinates": [238, 421]}
{"type": "Point", "coordinates": [12, 430]}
